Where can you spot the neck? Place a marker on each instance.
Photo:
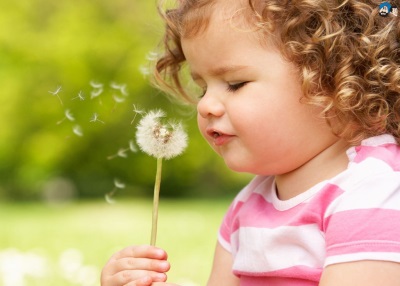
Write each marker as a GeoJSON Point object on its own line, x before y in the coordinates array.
{"type": "Point", "coordinates": [325, 165]}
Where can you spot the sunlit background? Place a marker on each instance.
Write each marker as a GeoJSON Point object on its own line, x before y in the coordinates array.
{"type": "Point", "coordinates": [72, 83]}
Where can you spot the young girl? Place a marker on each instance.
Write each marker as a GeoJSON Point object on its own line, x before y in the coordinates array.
{"type": "Point", "coordinates": [305, 95]}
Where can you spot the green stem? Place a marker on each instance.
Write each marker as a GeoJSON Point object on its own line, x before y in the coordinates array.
{"type": "Point", "coordinates": [156, 199]}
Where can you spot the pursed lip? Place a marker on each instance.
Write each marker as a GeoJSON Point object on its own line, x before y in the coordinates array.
{"type": "Point", "coordinates": [217, 137]}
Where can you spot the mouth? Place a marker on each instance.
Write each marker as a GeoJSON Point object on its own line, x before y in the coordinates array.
{"type": "Point", "coordinates": [214, 133]}
{"type": "Point", "coordinates": [218, 138]}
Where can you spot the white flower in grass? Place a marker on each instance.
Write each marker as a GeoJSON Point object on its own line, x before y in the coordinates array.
{"type": "Point", "coordinates": [160, 140]}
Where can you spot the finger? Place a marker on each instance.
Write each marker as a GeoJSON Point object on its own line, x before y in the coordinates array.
{"type": "Point", "coordinates": [144, 281]}
{"type": "Point", "coordinates": [137, 278]}
{"type": "Point", "coordinates": [144, 251]}
{"type": "Point", "coordinates": [139, 264]}
{"type": "Point", "coordinates": [163, 284]}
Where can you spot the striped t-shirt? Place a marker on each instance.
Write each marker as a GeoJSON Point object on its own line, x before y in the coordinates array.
{"type": "Point", "coordinates": [353, 216]}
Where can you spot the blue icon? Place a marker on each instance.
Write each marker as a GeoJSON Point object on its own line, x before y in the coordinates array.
{"type": "Point", "coordinates": [385, 9]}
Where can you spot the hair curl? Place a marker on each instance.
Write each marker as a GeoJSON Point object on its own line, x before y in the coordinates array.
{"type": "Point", "coordinates": [348, 56]}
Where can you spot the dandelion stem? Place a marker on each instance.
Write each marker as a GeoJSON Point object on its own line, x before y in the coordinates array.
{"type": "Point", "coordinates": [155, 202]}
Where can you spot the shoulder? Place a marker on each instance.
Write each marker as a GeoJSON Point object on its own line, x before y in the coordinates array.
{"type": "Point", "coordinates": [363, 222]}
{"type": "Point", "coordinates": [381, 150]}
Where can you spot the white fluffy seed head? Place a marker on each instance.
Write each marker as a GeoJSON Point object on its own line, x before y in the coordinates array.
{"type": "Point", "coordinates": [160, 140]}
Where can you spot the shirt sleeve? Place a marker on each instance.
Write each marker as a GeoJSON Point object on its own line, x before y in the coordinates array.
{"type": "Point", "coordinates": [225, 230]}
{"type": "Point", "coordinates": [364, 223]}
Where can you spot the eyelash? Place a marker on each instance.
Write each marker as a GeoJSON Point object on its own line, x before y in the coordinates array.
{"type": "Point", "coordinates": [230, 88]}
{"type": "Point", "coordinates": [235, 87]}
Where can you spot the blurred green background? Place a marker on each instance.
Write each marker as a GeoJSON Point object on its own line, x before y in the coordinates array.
{"type": "Point", "coordinates": [55, 172]}
{"type": "Point", "coordinates": [45, 45]}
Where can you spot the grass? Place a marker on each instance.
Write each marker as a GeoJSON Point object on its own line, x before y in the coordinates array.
{"type": "Point", "coordinates": [69, 244]}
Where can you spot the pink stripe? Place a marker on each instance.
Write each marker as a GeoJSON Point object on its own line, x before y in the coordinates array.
{"type": "Point", "coordinates": [389, 153]}
{"type": "Point", "coordinates": [296, 275]}
{"type": "Point", "coordinates": [275, 281]}
{"type": "Point", "coordinates": [363, 230]}
{"type": "Point", "coordinates": [257, 212]}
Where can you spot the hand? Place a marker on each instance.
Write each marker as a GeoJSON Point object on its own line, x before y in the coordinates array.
{"type": "Point", "coordinates": [136, 266]}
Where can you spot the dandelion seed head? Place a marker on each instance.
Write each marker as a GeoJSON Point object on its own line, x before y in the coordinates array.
{"type": "Point", "coordinates": [160, 140]}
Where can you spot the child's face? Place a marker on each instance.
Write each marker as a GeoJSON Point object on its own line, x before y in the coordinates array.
{"type": "Point", "coordinates": [251, 112]}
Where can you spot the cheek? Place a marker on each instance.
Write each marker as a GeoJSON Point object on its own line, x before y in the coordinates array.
{"type": "Point", "coordinates": [202, 124]}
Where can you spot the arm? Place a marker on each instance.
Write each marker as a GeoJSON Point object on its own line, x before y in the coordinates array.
{"type": "Point", "coordinates": [363, 273]}
{"type": "Point", "coordinates": [136, 266]}
{"type": "Point", "coordinates": [221, 273]}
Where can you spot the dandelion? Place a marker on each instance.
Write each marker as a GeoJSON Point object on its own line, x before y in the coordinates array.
{"type": "Point", "coordinates": [162, 141]}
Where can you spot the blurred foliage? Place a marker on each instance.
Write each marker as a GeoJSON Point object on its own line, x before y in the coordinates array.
{"type": "Point", "coordinates": [69, 44]}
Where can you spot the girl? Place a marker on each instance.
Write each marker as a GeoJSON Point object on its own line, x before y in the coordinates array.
{"type": "Point", "coordinates": [305, 95]}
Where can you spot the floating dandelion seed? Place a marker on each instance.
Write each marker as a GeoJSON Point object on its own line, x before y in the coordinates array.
{"type": "Point", "coordinates": [132, 146]}
{"type": "Point", "coordinates": [123, 151]}
{"type": "Point", "coordinates": [137, 111]}
{"type": "Point", "coordinates": [118, 185]}
{"type": "Point", "coordinates": [68, 115]}
{"type": "Point", "coordinates": [56, 92]}
{"type": "Point", "coordinates": [162, 141]}
{"type": "Point", "coordinates": [96, 84]}
{"type": "Point", "coordinates": [95, 118]}
{"type": "Point", "coordinates": [96, 93]}
{"type": "Point", "coordinates": [120, 87]}
{"type": "Point", "coordinates": [80, 96]}
{"type": "Point", "coordinates": [118, 99]}
{"type": "Point", "coordinates": [77, 130]}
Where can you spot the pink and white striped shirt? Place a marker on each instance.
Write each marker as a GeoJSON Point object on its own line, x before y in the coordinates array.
{"type": "Point", "coordinates": [353, 216]}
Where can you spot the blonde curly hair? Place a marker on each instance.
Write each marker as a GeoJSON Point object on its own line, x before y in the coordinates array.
{"type": "Point", "coordinates": [348, 56]}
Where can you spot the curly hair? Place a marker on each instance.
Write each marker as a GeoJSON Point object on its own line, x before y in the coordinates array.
{"type": "Point", "coordinates": [347, 55]}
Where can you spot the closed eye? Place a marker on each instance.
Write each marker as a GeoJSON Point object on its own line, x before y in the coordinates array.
{"type": "Point", "coordinates": [236, 86]}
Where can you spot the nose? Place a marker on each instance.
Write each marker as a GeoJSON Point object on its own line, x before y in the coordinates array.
{"type": "Point", "coordinates": [210, 105]}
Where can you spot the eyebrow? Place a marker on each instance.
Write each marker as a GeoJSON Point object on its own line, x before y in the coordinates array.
{"type": "Point", "coordinates": [221, 71]}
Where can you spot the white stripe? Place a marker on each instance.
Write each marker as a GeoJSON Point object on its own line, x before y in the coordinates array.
{"type": "Point", "coordinates": [274, 249]}
{"type": "Point", "coordinates": [378, 190]}
{"type": "Point", "coordinates": [381, 256]}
